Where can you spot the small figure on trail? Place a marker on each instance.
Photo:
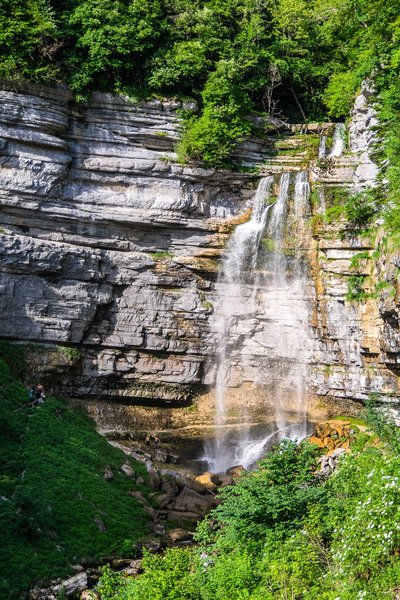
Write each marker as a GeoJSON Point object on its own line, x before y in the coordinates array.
{"type": "Point", "coordinates": [156, 440]}
{"type": "Point", "coordinates": [40, 394]}
{"type": "Point", "coordinates": [32, 394]}
{"type": "Point", "coordinates": [147, 439]}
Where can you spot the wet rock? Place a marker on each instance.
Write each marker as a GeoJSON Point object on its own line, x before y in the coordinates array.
{"type": "Point", "coordinates": [236, 471]}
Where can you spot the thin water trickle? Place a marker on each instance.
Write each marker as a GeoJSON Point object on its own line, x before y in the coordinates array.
{"type": "Point", "coordinates": [338, 140]}
{"type": "Point", "coordinates": [322, 147]}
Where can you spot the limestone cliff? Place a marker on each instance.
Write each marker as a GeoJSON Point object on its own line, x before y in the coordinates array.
{"type": "Point", "coordinates": [110, 247]}
{"type": "Point", "coordinates": [106, 244]}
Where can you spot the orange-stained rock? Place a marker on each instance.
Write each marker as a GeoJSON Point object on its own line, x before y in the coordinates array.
{"type": "Point", "coordinates": [317, 441]}
{"type": "Point", "coordinates": [207, 480]}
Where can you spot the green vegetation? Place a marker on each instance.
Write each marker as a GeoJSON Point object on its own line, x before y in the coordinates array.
{"type": "Point", "coordinates": [161, 255]}
{"type": "Point", "coordinates": [71, 353]}
{"type": "Point", "coordinates": [361, 208]}
{"type": "Point", "coordinates": [55, 505]}
{"type": "Point", "coordinates": [356, 288]}
{"type": "Point", "coordinates": [234, 57]}
{"type": "Point", "coordinates": [283, 533]}
{"type": "Point", "coordinates": [359, 259]}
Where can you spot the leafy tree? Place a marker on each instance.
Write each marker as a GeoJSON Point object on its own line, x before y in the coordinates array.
{"type": "Point", "coordinates": [108, 41]}
{"type": "Point", "coordinates": [28, 40]}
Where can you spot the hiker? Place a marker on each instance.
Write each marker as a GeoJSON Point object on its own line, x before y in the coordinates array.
{"type": "Point", "coordinates": [147, 439]}
{"type": "Point", "coordinates": [156, 440]}
{"type": "Point", "coordinates": [32, 394]}
{"type": "Point", "coordinates": [39, 395]}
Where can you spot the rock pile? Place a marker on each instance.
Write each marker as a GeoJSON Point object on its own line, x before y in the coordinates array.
{"type": "Point", "coordinates": [333, 434]}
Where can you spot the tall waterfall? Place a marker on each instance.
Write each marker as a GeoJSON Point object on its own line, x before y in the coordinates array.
{"type": "Point", "coordinates": [261, 321]}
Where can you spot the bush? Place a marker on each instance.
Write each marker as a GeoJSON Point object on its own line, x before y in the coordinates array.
{"type": "Point", "coordinates": [361, 208]}
{"type": "Point", "coordinates": [222, 124]}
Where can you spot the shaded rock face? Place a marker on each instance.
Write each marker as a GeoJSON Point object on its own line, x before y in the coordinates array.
{"type": "Point", "coordinates": [106, 245]}
{"type": "Point", "coordinates": [109, 246]}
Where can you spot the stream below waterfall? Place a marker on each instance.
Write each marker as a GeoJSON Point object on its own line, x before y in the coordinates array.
{"type": "Point", "coordinates": [261, 321]}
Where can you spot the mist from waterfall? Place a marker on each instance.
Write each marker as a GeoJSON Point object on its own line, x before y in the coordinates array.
{"type": "Point", "coordinates": [261, 319]}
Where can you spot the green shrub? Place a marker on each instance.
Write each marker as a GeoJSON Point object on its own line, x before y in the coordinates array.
{"type": "Point", "coordinates": [222, 124]}
{"type": "Point", "coordinates": [362, 208]}
{"type": "Point", "coordinates": [355, 288]}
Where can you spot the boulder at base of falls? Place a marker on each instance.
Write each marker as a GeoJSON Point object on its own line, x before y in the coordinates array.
{"type": "Point", "coordinates": [209, 480]}
{"type": "Point", "coordinates": [236, 471]}
{"type": "Point", "coordinates": [192, 502]}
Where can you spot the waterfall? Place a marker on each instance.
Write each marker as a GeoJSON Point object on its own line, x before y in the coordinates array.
{"type": "Point", "coordinates": [234, 302]}
{"type": "Point", "coordinates": [338, 140]}
{"type": "Point", "coordinates": [261, 322]}
{"type": "Point", "coordinates": [322, 147]}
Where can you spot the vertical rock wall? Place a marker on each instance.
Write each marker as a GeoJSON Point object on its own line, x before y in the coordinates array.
{"type": "Point", "coordinates": [109, 251]}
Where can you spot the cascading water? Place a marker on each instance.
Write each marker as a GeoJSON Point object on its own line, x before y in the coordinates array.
{"type": "Point", "coordinates": [262, 326]}
{"type": "Point", "coordinates": [240, 259]}
{"type": "Point", "coordinates": [322, 147]}
{"type": "Point", "coordinates": [338, 141]}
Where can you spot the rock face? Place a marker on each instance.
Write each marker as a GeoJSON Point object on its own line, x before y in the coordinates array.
{"type": "Point", "coordinates": [109, 251]}
{"type": "Point", "coordinates": [106, 244]}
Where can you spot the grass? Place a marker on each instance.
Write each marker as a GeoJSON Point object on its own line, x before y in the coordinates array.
{"type": "Point", "coordinates": [53, 495]}
{"type": "Point", "coordinates": [71, 353]}
{"type": "Point", "coordinates": [161, 255]}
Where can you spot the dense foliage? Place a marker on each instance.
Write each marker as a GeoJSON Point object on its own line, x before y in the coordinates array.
{"type": "Point", "coordinates": [306, 58]}
{"type": "Point", "coordinates": [282, 533]}
{"type": "Point", "coordinates": [53, 496]}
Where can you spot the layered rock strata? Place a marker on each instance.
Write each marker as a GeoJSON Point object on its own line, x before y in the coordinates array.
{"type": "Point", "coordinates": [109, 251]}
{"type": "Point", "coordinates": [107, 244]}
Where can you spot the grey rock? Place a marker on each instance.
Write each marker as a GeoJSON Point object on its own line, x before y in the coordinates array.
{"type": "Point", "coordinates": [108, 245]}
{"type": "Point", "coordinates": [127, 470]}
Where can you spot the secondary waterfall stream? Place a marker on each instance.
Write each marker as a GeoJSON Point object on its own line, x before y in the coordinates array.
{"type": "Point", "coordinates": [261, 323]}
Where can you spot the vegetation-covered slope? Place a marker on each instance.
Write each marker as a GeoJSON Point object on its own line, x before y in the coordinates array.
{"type": "Point", "coordinates": [283, 533]}
{"type": "Point", "coordinates": [55, 505]}
{"type": "Point", "coordinates": [306, 58]}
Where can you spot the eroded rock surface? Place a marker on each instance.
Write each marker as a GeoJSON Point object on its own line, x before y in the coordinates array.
{"type": "Point", "coordinates": [109, 251]}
